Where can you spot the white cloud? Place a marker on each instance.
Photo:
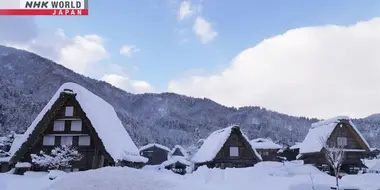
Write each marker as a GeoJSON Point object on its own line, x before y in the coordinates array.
{"type": "Point", "coordinates": [203, 30]}
{"type": "Point", "coordinates": [133, 86]}
{"type": "Point", "coordinates": [185, 10]}
{"type": "Point", "coordinates": [128, 50]}
{"type": "Point", "coordinates": [314, 71]}
{"type": "Point", "coordinates": [79, 53]}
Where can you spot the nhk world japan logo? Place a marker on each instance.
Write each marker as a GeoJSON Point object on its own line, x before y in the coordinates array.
{"type": "Point", "coordinates": [44, 7]}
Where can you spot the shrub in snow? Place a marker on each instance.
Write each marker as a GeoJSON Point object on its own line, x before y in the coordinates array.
{"type": "Point", "coordinates": [58, 159]}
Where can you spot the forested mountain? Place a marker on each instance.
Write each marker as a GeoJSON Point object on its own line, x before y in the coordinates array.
{"type": "Point", "coordinates": [28, 81]}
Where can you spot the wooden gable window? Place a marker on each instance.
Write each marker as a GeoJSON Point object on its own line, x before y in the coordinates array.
{"type": "Point", "coordinates": [76, 125]}
{"type": "Point", "coordinates": [67, 140]}
{"type": "Point", "coordinates": [59, 125]}
{"type": "Point", "coordinates": [69, 111]}
{"type": "Point", "coordinates": [234, 151]}
{"type": "Point", "coordinates": [84, 141]}
{"type": "Point", "coordinates": [342, 141]}
{"type": "Point", "coordinates": [48, 141]}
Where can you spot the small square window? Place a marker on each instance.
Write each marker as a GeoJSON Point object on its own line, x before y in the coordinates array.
{"type": "Point", "coordinates": [342, 141]}
{"type": "Point", "coordinates": [67, 140]}
{"type": "Point", "coordinates": [234, 151]}
{"type": "Point", "coordinates": [84, 141]}
{"type": "Point", "coordinates": [59, 125]}
{"type": "Point", "coordinates": [48, 141]}
{"type": "Point", "coordinates": [76, 125]}
{"type": "Point", "coordinates": [69, 111]}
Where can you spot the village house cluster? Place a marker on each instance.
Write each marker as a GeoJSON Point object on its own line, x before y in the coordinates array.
{"type": "Point", "coordinates": [75, 117]}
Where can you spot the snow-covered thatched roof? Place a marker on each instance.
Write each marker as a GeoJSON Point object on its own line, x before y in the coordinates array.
{"type": "Point", "coordinates": [261, 143]}
{"type": "Point", "coordinates": [321, 131]}
{"type": "Point", "coordinates": [181, 149]}
{"type": "Point", "coordinates": [214, 143]}
{"type": "Point", "coordinates": [155, 145]}
{"type": "Point", "coordinates": [103, 118]}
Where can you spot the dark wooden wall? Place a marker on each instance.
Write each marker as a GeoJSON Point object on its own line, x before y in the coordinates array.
{"type": "Point", "coordinates": [268, 154]}
{"type": "Point", "coordinates": [155, 155]}
{"type": "Point", "coordinates": [177, 152]}
{"type": "Point", "coordinates": [352, 141]}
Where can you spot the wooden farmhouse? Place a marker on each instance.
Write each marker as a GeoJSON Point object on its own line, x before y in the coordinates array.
{"type": "Point", "coordinates": [75, 117]}
{"type": "Point", "coordinates": [335, 133]}
{"type": "Point", "coordinates": [155, 153]}
{"type": "Point", "coordinates": [226, 148]}
{"type": "Point", "coordinates": [266, 148]}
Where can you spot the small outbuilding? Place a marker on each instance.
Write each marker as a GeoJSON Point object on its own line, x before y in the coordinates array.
{"type": "Point", "coordinates": [266, 148]}
{"type": "Point", "coordinates": [156, 153]}
{"type": "Point", "coordinates": [178, 164]}
{"type": "Point", "coordinates": [226, 148]}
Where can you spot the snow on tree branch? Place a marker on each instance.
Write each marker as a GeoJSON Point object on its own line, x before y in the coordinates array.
{"type": "Point", "coordinates": [59, 157]}
{"type": "Point", "coordinates": [334, 155]}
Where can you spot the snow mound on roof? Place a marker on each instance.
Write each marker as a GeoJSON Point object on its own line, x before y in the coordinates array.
{"type": "Point", "coordinates": [175, 159]}
{"type": "Point", "coordinates": [297, 145]}
{"type": "Point", "coordinates": [108, 178]}
{"type": "Point", "coordinates": [181, 149]}
{"type": "Point", "coordinates": [154, 145]}
{"type": "Point", "coordinates": [214, 143]}
{"type": "Point", "coordinates": [261, 143]}
{"type": "Point", "coordinates": [103, 118]}
{"type": "Point", "coordinates": [329, 121]}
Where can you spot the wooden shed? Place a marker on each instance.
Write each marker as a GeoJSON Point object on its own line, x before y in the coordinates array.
{"type": "Point", "coordinates": [155, 153]}
{"type": "Point", "coordinates": [78, 118]}
{"type": "Point", "coordinates": [266, 148]}
{"type": "Point", "coordinates": [335, 132]}
{"type": "Point", "coordinates": [226, 148]}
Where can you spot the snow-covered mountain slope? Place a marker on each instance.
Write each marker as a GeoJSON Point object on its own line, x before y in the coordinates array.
{"type": "Point", "coordinates": [374, 117]}
{"type": "Point", "coordinates": [28, 81]}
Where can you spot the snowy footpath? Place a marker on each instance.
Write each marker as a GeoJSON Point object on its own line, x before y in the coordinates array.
{"type": "Point", "coordinates": [265, 175]}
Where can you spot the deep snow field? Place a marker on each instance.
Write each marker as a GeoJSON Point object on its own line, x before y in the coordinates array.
{"type": "Point", "coordinates": [264, 175]}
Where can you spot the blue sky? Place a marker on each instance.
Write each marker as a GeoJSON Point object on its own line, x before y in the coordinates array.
{"type": "Point", "coordinates": [152, 26]}
{"type": "Point", "coordinates": [305, 58]}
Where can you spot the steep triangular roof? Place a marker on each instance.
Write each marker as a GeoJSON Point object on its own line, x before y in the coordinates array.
{"type": "Point", "coordinates": [261, 143]}
{"type": "Point", "coordinates": [215, 142]}
{"type": "Point", "coordinates": [322, 131]}
{"type": "Point", "coordinates": [101, 115]}
{"type": "Point", "coordinates": [181, 150]}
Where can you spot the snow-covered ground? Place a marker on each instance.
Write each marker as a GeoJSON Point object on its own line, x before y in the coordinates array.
{"type": "Point", "coordinates": [265, 175]}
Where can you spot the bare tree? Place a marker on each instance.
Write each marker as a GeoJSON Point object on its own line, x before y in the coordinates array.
{"type": "Point", "coordinates": [334, 155]}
